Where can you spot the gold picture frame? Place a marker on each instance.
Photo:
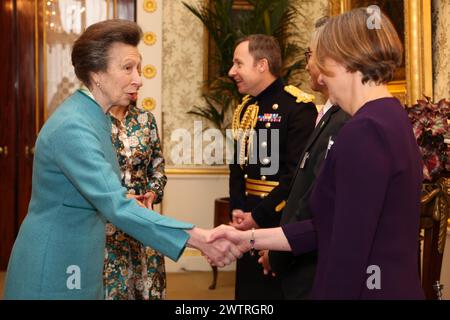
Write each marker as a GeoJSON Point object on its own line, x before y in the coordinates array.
{"type": "Point", "coordinates": [211, 70]}
{"type": "Point", "coordinates": [418, 80]}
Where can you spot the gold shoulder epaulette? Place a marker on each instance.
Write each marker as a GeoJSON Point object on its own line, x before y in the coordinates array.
{"type": "Point", "coordinates": [299, 94]}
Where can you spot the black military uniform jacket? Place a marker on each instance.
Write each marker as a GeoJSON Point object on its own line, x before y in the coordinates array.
{"type": "Point", "coordinates": [297, 273]}
{"type": "Point", "coordinates": [295, 121]}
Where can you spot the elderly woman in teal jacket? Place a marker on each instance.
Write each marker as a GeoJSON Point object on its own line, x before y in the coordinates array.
{"type": "Point", "coordinates": [59, 251]}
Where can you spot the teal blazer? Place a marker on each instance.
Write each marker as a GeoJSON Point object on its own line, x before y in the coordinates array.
{"type": "Point", "coordinates": [59, 251]}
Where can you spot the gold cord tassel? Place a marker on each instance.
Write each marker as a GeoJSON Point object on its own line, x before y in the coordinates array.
{"type": "Point", "coordinates": [243, 128]}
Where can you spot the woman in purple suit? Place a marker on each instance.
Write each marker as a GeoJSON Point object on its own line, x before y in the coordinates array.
{"type": "Point", "coordinates": [366, 199]}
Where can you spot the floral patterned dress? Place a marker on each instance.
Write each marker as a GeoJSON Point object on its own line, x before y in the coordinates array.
{"type": "Point", "coordinates": [131, 270]}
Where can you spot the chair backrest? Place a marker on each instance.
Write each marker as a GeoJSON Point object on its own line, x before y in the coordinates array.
{"type": "Point", "coordinates": [435, 207]}
{"type": "Point", "coordinates": [222, 211]}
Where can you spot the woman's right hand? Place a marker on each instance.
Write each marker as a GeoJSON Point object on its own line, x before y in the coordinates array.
{"type": "Point", "coordinates": [220, 252]}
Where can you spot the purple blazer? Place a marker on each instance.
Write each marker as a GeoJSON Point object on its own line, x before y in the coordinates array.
{"type": "Point", "coordinates": [365, 207]}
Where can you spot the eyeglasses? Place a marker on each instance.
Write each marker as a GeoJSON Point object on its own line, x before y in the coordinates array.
{"type": "Point", "coordinates": [308, 55]}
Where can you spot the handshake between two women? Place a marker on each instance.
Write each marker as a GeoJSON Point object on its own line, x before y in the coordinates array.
{"type": "Point", "coordinates": [221, 245]}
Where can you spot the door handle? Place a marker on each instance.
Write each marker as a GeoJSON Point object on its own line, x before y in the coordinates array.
{"type": "Point", "coordinates": [29, 151]}
{"type": "Point", "coordinates": [4, 151]}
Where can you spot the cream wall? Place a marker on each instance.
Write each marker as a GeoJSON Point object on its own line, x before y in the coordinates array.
{"type": "Point", "coordinates": [191, 198]}
{"type": "Point", "coordinates": [150, 21]}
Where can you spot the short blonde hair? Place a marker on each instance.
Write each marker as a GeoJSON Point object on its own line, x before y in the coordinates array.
{"type": "Point", "coordinates": [376, 51]}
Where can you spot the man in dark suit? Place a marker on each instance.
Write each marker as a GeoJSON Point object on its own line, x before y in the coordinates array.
{"type": "Point", "coordinates": [297, 273]}
{"type": "Point", "coordinates": [283, 118]}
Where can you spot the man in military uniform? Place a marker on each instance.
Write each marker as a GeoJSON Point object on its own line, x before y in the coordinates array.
{"type": "Point", "coordinates": [282, 117]}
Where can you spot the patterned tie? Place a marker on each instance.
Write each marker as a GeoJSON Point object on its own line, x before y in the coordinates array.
{"type": "Point", "coordinates": [319, 115]}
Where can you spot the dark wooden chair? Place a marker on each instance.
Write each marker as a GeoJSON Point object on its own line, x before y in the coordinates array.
{"type": "Point", "coordinates": [435, 207]}
{"type": "Point", "coordinates": [221, 216]}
